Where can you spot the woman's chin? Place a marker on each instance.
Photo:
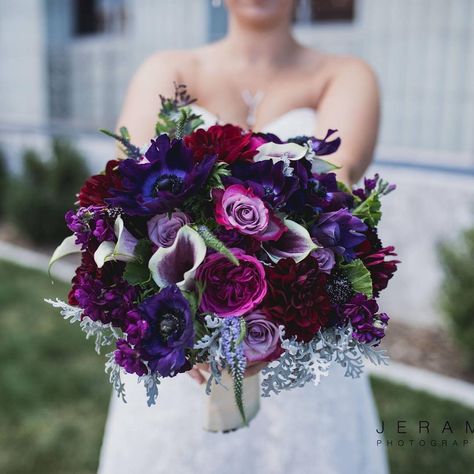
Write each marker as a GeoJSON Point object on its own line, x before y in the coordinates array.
{"type": "Point", "coordinates": [261, 13]}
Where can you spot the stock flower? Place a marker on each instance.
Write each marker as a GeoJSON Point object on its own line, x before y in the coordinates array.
{"type": "Point", "coordinates": [296, 297]}
{"type": "Point", "coordinates": [229, 142]}
{"type": "Point", "coordinates": [169, 331]}
{"type": "Point", "coordinates": [231, 290]}
{"type": "Point", "coordinates": [129, 358]}
{"type": "Point", "coordinates": [90, 223]}
{"type": "Point", "coordinates": [237, 207]}
{"type": "Point", "coordinates": [162, 228]}
{"type": "Point", "coordinates": [102, 293]}
{"type": "Point", "coordinates": [161, 182]}
{"type": "Point", "coordinates": [362, 314]}
{"type": "Point", "coordinates": [339, 231]}
{"type": "Point", "coordinates": [97, 187]}
{"type": "Point", "coordinates": [262, 341]}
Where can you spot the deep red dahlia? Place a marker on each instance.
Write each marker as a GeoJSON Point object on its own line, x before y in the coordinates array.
{"type": "Point", "coordinates": [96, 188]}
{"type": "Point", "coordinates": [373, 255]}
{"type": "Point", "coordinates": [229, 142]}
{"type": "Point", "coordinates": [297, 297]}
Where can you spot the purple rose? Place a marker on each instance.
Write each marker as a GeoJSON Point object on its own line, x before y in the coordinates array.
{"type": "Point", "coordinates": [231, 290]}
{"type": "Point", "coordinates": [262, 342]}
{"type": "Point", "coordinates": [162, 228]}
{"type": "Point", "coordinates": [325, 259]}
{"type": "Point", "coordinates": [237, 207]}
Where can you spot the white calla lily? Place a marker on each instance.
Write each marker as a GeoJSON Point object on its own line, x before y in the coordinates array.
{"type": "Point", "coordinates": [280, 152]}
{"type": "Point", "coordinates": [123, 250]}
{"type": "Point", "coordinates": [295, 243]}
{"type": "Point", "coordinates": [67, 247]}
{"type": "Point", "coordinates": [177, 265]}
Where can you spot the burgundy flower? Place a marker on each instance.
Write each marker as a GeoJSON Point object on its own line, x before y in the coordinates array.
{"type": "Point", "coordinates": [374, 257]}
{"type": "Point", "coordinates": [297, 297]}
{"type": "Point", "coordinates": [229, 142]}
{"type": "Point", "coordinates": [96, 188]}
{"type": "Point", "coordinates": [231, 290]}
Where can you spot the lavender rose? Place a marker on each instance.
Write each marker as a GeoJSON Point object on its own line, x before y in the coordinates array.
{"type": "Point", "coordinates": [237, 207]}
{"type": "Point", "coordinates": [231, 290]}
{"type": "Point", "coordinates": [162, 228]}
{"type": "Point", "coordinates": [262, 342]}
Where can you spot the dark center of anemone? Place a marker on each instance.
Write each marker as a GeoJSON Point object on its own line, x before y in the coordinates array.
{"type": "Point", "coordinates": [318, 188]}
{"type": "Point", "coordinates": [168, 182]}
{"type": "Point", "coordinates": [170, 324]}
{"type": "Point", "coordinates": [268, 190]}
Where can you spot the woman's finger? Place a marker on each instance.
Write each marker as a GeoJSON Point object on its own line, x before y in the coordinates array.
{"type": "Point", "coordinates": [255, 369]}
{"type": "Point", "coordinates": [196, 375]}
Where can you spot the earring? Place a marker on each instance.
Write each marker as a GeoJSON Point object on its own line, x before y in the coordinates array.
{"type": "Point", "coordinates": [216, 3]}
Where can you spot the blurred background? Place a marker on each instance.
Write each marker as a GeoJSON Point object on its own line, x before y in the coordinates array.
{"type": "Point", "coordinates": [64, 68]}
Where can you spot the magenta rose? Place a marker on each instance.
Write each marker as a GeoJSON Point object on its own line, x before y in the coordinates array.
{"type": "Point", "coordinates": [237, 207]}
{"type": "Point", "coordinates": [162, 229]}
{"type": "Point", "coordinates": [262, 342]}
{"type": "Point", "coordinates": [231, 290]}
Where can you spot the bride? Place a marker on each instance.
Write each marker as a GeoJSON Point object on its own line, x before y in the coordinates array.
{"type": "Point", "coordinates": [258, 77]}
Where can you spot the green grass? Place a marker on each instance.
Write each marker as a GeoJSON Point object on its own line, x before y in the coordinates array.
{"type": "Point", "coordinates": [396, 402]}
{"type": "Point", "coordinates": [53, 390]}
{"type": "Point", "coordinates": [54, 394]}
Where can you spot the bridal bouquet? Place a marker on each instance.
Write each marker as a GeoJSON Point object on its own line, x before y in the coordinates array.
{"type": "Point", "coordinates": [227, 247]}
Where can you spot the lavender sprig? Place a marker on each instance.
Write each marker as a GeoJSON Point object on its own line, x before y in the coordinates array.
{"type": "Point", "coordinates": [233, 351]}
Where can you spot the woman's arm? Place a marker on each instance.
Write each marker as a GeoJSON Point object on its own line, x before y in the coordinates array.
{"type": "Point", "coordinates": [351, 104]}
{"type": "Point", "coordinates": [142, 102]}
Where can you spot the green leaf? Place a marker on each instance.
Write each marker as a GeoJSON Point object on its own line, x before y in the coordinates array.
{"type": "Point", "coordinates": [369, 210]}
{"type": "Point", "coordinates": [322, 166]}
{"type": "Point", "coordinates": [214, 243]}
{"type": "Point", "coordinates": [359, 277]}
{"type": "Point", "coordinates": [137, 272]}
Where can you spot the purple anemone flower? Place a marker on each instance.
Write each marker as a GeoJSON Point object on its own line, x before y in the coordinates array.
{"type": "Point", "coordinates": [324, 146]}
{"type": "Point", "coordinates": [339, 231]}
{"type": "Point", "coordinates": [267, 179]}
{"type": "Point", "coordinates": [163, 331]}
{"type": "Point", "coordinates": [162, 182]}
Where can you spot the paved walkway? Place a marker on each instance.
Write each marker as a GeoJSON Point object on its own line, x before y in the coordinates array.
{"type": "Point", "coordinates": [412, 377]}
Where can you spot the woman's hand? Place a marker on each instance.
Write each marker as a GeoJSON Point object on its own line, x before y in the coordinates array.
{"type": "Point", "coordinates": [199, 370]}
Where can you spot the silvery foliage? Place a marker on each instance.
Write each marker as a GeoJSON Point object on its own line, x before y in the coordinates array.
{"type": "Point", "coordinates": [151, 382]}
{"type": "Point", "coordinates": [308, 362]}
{"type": "Point", "coordinates": [104, 334]}
{"type": "Point", "coordinates": [210, 349]}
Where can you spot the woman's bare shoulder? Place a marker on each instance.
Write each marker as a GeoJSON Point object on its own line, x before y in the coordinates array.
{"type": "Point", "coordinates": [335, 67]}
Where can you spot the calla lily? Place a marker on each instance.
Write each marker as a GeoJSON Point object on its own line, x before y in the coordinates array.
{"type": "Point", "coordinates": [176, 265]}
{"type": "Point", "coordinates": [280, 152]}
{"type": "Point", "coordinates": [295, 243]}
{"type": "Point", "coordinates": [123, 250]}
{"type": "Point", "coordinates": [67, 247]}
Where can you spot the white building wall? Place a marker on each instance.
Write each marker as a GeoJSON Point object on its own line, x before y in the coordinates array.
{"type": "Point", "coordinates": [22, 62]}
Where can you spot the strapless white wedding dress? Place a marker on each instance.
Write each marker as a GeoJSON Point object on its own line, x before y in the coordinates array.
{"type": "Point", "coordinates": [328, 429]}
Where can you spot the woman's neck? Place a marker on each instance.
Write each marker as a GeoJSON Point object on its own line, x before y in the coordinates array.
{"type": "Point", "coordinates": [267, 48]}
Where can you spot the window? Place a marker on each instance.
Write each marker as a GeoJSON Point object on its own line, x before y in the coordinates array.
{"type": "Point", "coordinates": [316, 11]}
{"type": "Point", "coordinates": [99, 16]}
